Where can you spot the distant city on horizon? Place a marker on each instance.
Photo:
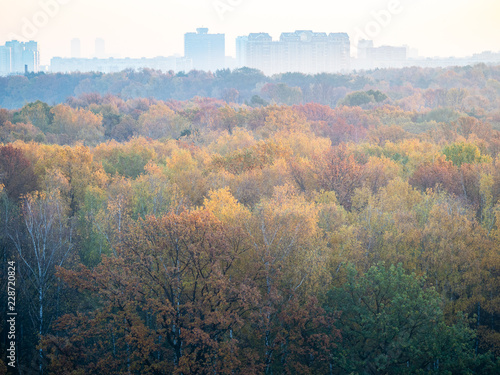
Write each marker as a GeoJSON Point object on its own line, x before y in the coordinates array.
{"type": "Point", "coordinates": [302, 51]}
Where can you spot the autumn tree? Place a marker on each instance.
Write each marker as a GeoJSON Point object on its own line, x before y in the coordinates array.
{"type": "Point", "coordinates": [38, 113]}
{"type": "Point", "coordinates": [43, 241]}
{"type": "Point", "coordinates": [125, 159]}
{"type": "Point", "coordinates": [158, 122]}
{"type": "Point", "coordinates": [282, 94]}
{"type": "Point", "coordinates": [338, 171]}
{"type": "Point", "coordinates": [16, 172]}
{"type": "Point", "coordinates": [70, 125]}
{"type": "Point", "coordinates": [440, 173]}
{"type": "Point", "coordinates": [284, 236]}
{"type": "Point", "coordinates": [461, 153]}
{"type": "Point", "coordinates": [170, 302]}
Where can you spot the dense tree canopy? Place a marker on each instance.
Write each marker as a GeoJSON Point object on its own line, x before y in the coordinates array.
{"type": "Point", "coordinates": [271, 225]}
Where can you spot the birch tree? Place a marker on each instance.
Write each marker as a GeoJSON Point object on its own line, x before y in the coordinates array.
{"type": "Point", "coordinates": [42, 241]}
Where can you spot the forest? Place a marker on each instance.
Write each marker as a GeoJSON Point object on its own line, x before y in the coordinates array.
{"type": "Point", "coordinates": [233, 223]}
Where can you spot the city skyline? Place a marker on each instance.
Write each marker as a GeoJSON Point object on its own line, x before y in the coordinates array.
{"type": "Point", "coordinates": [458, 28]}
{"type": "Point", "coordinates": [304, 51]}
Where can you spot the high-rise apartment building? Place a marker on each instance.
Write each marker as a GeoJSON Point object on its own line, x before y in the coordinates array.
{"type": "Point", "coordinates": [31, 57]}
{"type": "Point", "coordinates": [340, 50]}
{"type": "Point", "coordinates": [301, 51]}
{"type": "Point", "coordinates": [24, 57]}
{"type": "Point", "coordinates": [241, 51]}
{"type": "Point", "coordinates": [16, 56]}
{"type": "Point", "coordinates": [5, 61]}
{"type": "Point", "coordinates": [207, 51]}
{"type": "Point", "coordinates": [257, 50]}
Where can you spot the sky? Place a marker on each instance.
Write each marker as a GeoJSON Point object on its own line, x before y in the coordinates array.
{"type": "Point", "coordinates": [149, 28]}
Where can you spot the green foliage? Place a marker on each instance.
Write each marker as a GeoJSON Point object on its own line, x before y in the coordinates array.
{"type": "Point", "coordinates": [93, 243]}
{"type": "Point", "coordinates": [37, 113]}
{"type": "Point", "coordinates": [445, 115]}
{"type": "Point", "coordinates": [358, 98]}
{"type": "Point", "coordinates": [378, 95]}
{"type": "Point", "coordinates": [258, 101]}
{"type": "Point", "coordinates": [282, 94]}
{"type": "Point", "coordinates": [461, 153]}
{"type": "Point", "coordinates": [392, 324]}
{"type": "Point", "coordinates": [127, 161]}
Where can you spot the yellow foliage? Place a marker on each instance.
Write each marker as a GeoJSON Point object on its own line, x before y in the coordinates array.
{"type": "Point", "coordinates": [181, 160]}
{"type": "Point", "coordinates": [379, 171]}
{"type": "Point", "coordinates": [225, 207]}
{"type": "Point", "coordinates": [158, 122]}
{"type": "Point", "coordinates": [227, 143]}
{"type": "Point", "coordinates": [303, 144]}
{"type": "Point", "coordinates": [398, 195]}
{"type": "Point", "coordinates": [280, 118]}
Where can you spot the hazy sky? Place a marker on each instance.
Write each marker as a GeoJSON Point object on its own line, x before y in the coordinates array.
{"type": "Point", "coordinates": [155, 28]}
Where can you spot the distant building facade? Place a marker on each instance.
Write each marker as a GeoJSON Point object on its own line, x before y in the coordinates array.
{"type": "Point", "coordinates": [387, 56]}
{"type": "Point", "coordinates": [371, 57]}
{"type": "Point", "coordinates": [241, 51]}
{"type": "Point", "coordinates": [100, 48]}
{"type": "Point", "coordinates": [207, 51]}
{"type": "Point", "coordinates": [18, 57]}
{"type": "Point", "coordinates": [76, 48]}
{"type": "Point", "coordinates": [301, 51]}
{"type": "Point", "coordinates": [363, 47]}
{"type": "Point", "coordinates": [5, 61]}
{"type": "Point", "coordinates": [111, 65]}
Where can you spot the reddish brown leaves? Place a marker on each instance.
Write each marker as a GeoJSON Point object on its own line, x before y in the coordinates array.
{"type": "Point", "coordinates": [16, 172]}
{"type": "Point", "coordinates": [338, 171]}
